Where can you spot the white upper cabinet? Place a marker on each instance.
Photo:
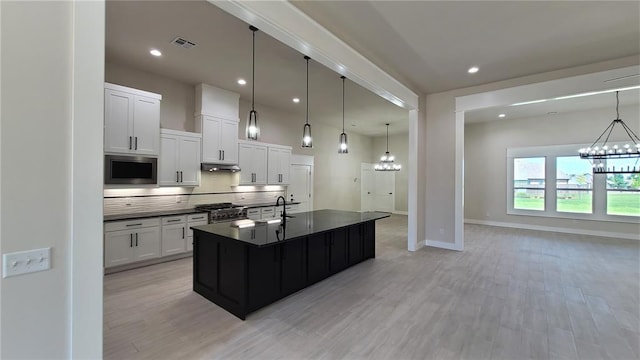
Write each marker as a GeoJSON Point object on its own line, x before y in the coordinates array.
{"type": "Point", "coordinates": [217, 119]}
{"type": "Point", "coordinates": [179, 158]}
{"type": "Point", "coordinates": [131, 121]}
{"type": "Point", "coordinates": [219, 139]}
{"type": "Point", "coordinates": [279, 164]}
{"type": "Point", "coordinates": [252, 159]}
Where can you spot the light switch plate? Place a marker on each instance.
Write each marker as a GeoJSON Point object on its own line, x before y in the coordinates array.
{"type": "Point", "coordinates": [23, 262]}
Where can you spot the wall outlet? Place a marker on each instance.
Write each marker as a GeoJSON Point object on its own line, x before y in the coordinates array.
{"type": "Point", "coordinates": [23, 262]}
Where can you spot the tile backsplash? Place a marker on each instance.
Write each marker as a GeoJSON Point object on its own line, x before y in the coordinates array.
{"type": "Point", "coordinates": [128, 201]}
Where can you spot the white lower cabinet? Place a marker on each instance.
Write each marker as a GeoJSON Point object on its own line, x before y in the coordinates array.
{"type": "Point", "coordinates": [130, 241]}
{"type": "Point", "coordinates": [195, 220]}
{"type": "Point", "coordinates": [174, 235]}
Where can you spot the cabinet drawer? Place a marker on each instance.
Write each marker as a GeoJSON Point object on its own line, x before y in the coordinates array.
{"type": "Point", "coordinates": [254, 214]}
{"type": "Point", "coordinates": [267, 212]}
{"type": "Point", "coordinates": [170, 220]}
{"type": "Point", "coordinates": [131, 224]}
{"type": "Point", "coordinates": [197, 217]}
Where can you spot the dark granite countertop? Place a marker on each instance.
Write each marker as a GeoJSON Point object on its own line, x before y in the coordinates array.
{"type": "Point", "coordinates": [300, 225]}
{"type": "Point", "coordinates": [142, 215]}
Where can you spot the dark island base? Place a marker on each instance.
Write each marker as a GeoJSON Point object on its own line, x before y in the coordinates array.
{"type": "Point", "coordinates": [242, 278]}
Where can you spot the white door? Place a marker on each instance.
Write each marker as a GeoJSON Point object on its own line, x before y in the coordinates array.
{"type": "Point", "coordinates": [367, 188]}
{"type": "Point", "coordinates": [189, 160]}
{"type": "Point", "coordinates": [147, 244]}
{"type": "Point", "coordinates": [260, 164]}
{"type": "Point", "coordinates": [211, 152]}
{"type": "Point", "coordinates": [168, 160]}
{"type": "Point", "coordinates": [118, 121]}
{"type": "Point", "coordinates": [146, 125]}
{"type": "Point", "coordinates": [299, 188]}
{"type": "Point", "coordinates": [229, 141]}
{"type": "Point", "coordinates": [174, 239]}
{"type": "Point", "coordinates": [385, 187]}
{"type": "Point", "coordinates": [118, 247]}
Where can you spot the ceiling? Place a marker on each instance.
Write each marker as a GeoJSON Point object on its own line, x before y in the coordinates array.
{"type": "Point", "coordinates": [222, 55]}
{"type": "Point", "coordinates": [427, 45]}
{"type": "Point", "coordinates": [556, 107]}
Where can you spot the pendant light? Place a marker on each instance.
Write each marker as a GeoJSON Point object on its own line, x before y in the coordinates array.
{"type": "Point", "coordinates": [386, 161]}
{"type": "Point", "coordinates": [307, 140]}
{"type": "Point", "coordinates": [252, 121]}
{"type": "Point", "coordinates": [598, 154]}
{"type": "Point", "coordinates": [343, 137]}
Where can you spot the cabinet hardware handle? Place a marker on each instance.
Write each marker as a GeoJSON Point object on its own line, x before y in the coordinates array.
{"type": "Point", "coordinates": [129, 225]}
{"type": "Point", "coordinates": [219, 154]}
{"type": "Point", "coordinates": [130, 140]}
{"type": "Point", "coordinates": [181, 178]}
{"type": "Point", "coordinates": [136, 239]}
{"type": "Point", "coordinates": [131, 240]}
{"type": "Point", "coordinates": [222, 154]}
{"type": "Point", "coordinates": [183, 232]}
{"type": "Point", "coordinates": [173, 220]}
{"type": "Point", "coordinates": [198, 218]}
{"type": "Point", "coordinates": [177, 176]}
{"type": "Point", "coordinates": [390, 193]}
{"type": "Point", "coordinates": [136, 142]}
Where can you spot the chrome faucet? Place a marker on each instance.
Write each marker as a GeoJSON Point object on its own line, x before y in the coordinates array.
{"type": "Point", "coordinates": [284, 207]}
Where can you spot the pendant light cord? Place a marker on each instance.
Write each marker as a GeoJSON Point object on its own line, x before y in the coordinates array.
{"type": "Point", "coordinates": [343, 103]}
{"type": "Point", "coordinates": [253, 70]}
{"type": "Point", "coordinates": [307, 58]}
{"type": "Point", "coordinates": [387, 137]}
{"type": "Point", "coordinates": [617, 105]}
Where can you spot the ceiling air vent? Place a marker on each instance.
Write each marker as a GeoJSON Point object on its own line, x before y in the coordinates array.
{"type": "Point", "coordinates": [183, 43]}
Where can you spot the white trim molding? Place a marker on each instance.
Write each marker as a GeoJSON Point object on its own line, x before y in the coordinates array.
{"type": "Point", "coordinates": [443, 245]}
{"type": "Point", "coordinates": [400, 212]}
{"type": "Point", "coordinates": [607, 234]}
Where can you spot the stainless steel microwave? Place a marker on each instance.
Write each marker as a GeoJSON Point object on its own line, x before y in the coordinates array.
{"type": "Point", "coordinates": [130, 170]}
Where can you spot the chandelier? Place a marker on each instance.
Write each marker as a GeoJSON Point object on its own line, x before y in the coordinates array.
{"type": "Point", "coordinates": [386, 161]}
{"type": "Point", "coordinates": [598, 153]}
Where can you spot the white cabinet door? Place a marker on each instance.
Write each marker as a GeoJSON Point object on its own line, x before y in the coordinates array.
{"type": "Point", "coordinates": [174, 239]}
{"type": "Point", "coordinates": [147, 243]}
{"type": "Point", "coordinates": [169, 170]}
{"type": "Point", "coordinates": [260, 165]}
{"type": "Point", "coordinates": [279, 163]}
{"type": "Point", "coordinates": [210, 128]}
{"type": "Point", "coordinates": [229, 141]}
{"type": "Point", "coordinates": [146, 125]}
{"type": "Point", "coordinates": [194, 220]}
{"type": "Point", "coordinates": [189, 161]}
{"type": "Point", "coordinates": [253, 164]}
{"type": "Point", "coordinates": [118, 121]}
{"type": "Point", "coordinates": [118, 247]}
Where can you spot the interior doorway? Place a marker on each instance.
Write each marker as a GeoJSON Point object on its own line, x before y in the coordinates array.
{"type": "Point", "coordinates": [377, 189]}
{"type": "Point", "coordinates": [300, 188]}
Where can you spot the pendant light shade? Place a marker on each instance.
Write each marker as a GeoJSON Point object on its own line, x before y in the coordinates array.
{"type": "Point", "coordinates": [387, 160]}
{"type": "Point", "coordinates": [253, 130]}
{"type": "Point", "coordinates": [307, 140]}
{"type": "Point", "coordinates": [344, 148]}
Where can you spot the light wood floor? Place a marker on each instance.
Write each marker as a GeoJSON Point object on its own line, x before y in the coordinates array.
{"type": "Point", "coordinates": [512, 294]}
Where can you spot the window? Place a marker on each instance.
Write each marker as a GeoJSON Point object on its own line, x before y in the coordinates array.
{"type": "Point", "coordinates": [529, 183]}
{"type": "Point", "coordinates": [574, 185]}
{"type": "Point", "coordinates": [553, 181]}
{"type": "Point", "coordinates": [623, 190]}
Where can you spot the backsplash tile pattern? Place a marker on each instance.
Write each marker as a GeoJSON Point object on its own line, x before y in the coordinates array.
{"type": "Point", "coordinates": [131, 201]}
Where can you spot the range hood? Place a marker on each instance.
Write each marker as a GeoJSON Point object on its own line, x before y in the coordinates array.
{"type": "Point", "coordinates": [219, 167]}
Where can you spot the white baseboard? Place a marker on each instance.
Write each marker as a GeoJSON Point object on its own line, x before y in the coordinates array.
{"type": "Point", "coordinates": [442, 245]}
{"type": "Point", "coordinates": [400, 212]}
{"type": "Point", "coordinates": [609, 234]}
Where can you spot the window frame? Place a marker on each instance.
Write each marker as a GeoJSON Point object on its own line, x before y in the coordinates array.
{"type": "Point", "coordinates": [551, 153]}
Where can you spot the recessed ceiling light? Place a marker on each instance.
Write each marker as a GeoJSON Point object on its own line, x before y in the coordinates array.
{"type": "Point", "coordinates": [502, 115]}
{"type": "Point", "coordinates": [473, 70]}
{"type": "Point", "coordinates": [155, 52]}
{"type": "Point", "coordinates": [242, 82]}
{"type": "Point", "coordinates": [296, 100]}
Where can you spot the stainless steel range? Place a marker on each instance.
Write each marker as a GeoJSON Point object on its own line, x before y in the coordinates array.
{"type": "Point", "coordinates": [221, 212]}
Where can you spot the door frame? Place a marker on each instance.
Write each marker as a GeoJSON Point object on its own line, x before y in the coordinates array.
{"type": "Point", "coordinates": [363, 167]}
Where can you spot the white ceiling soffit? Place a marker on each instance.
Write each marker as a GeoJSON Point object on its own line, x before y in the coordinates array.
{"type": "Point", "coordinates": [288, 24]}
{"type": "Point", "coordinates": [429, 45]}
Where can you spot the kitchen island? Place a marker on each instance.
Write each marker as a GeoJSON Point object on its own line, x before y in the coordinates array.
{"type": "Point", "coordinates": [245, 269]}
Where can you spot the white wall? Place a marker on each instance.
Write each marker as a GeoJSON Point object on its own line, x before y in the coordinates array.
{"type": "Point", "coordinates": [440, 145]}
{"type": "Point", "coordinates": [51, 172]}
{"type": "Point", "coordinates": [486, 165]}
{"type": "Point", "coordinates": [399, 148]}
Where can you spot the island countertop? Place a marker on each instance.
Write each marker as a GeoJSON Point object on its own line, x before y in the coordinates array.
{"type": "Point", "coordinates": [299, 225]}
